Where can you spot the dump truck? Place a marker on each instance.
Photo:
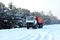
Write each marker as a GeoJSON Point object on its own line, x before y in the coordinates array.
{"type": "Point", "coordinates": [34, 22]}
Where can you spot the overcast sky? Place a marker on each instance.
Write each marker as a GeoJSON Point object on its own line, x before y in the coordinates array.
{"type": "Point", "coordinates": [37, 5]}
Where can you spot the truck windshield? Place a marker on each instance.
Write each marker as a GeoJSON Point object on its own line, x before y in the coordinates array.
{"type": "Point", "coordinates": [30, 18]}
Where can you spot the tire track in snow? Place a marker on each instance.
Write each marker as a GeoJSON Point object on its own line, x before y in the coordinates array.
{"type": "Point", "coordinates": [29, 36]}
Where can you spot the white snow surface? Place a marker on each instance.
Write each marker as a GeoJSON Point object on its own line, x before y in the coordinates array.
{"type": "Point", "coordinates": [48, 32]}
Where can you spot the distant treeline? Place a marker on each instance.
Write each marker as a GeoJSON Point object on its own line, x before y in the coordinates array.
{"type": "Point", "coordinates": [11, 12]}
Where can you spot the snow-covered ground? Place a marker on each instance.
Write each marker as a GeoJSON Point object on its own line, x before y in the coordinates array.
{"type": "Point", "coordinates": [48, 32]}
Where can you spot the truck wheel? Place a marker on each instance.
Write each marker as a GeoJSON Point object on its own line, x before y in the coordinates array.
{"type": "Point", "coordinates": [40, 25]}
{"type": "Point", "coordinates": [27, 27]}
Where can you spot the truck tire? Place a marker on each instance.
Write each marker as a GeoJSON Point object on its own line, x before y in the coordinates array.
{"type": "Point", "coordinates": [40, 25]}
{"type": "Point", "coordinates": [27, 27]}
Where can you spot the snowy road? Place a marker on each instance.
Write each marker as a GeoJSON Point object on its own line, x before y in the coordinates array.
{"type": "Point", "coordinates": [48, 32]}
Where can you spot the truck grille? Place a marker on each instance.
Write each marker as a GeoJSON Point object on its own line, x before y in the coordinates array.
{"type": "Point", "coordinates": [30, 24]}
